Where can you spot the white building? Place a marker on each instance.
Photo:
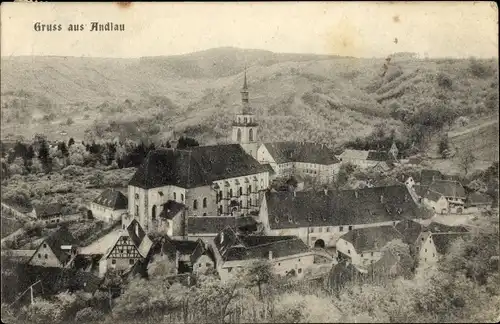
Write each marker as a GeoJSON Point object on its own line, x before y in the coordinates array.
{"type": "Point", "coordinates": [109, 206]}
{"type": "Point", "coordinates": [320, 218]}
{"type": "Point", "coordinates": [300, 159]}
{"type": "Point", "coordinates": [288, 256]}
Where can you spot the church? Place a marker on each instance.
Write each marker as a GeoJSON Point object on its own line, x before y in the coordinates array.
{"type": "Point", "coordinates": [219, 180]}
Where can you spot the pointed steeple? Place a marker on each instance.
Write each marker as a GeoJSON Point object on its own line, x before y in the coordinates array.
{"type": "Point", "coordinates": [245, 86]}
{"type": "Point", "coordinates": [244, 93]}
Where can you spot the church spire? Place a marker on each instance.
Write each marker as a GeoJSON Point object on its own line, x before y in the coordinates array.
{"type": "Point", "coordinates": [244, 93]}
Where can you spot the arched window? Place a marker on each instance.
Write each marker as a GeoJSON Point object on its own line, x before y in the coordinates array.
{"type": "Point", "coordinates": [250, 135]}
{"type": "Point", "coordinates": [241, 191]}
{"type": "Point", "coordinates": [204, 202]}
{"type": "Point", "coordinates": [230, 192]}
{"type": "Point", "coordinates": [249, 188]}
{"type": "Point", "coordinates": [153, 212]}
{"type": "Point", "coordinates": [220, 195]}
{"type": "Point", "coordinates": [175, 196]}
{"type": "Point", "coordinates": [182, 197]}
{"type": "Point", "coordinates": [195, 204]}
{"type": "Point", "coordinates": [220, 210]}
{"type": "Point", "coordinates": [238, 135]}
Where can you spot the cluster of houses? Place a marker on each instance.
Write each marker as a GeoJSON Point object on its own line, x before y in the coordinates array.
{"type": "Point", "coordinates": [211, 207]}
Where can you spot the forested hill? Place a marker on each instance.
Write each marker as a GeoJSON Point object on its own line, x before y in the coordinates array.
{"type": "Point", "coordinates": [295, 96]}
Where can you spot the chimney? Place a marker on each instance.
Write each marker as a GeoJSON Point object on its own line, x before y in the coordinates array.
{"type": "Point", "coordinates": [270, 255]}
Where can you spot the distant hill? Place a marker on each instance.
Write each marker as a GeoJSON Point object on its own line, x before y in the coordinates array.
{"type": "Point", "coordinates": [295, 96]}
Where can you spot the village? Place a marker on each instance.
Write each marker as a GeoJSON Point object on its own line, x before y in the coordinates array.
{"type": "Point", "coordinates": [223, 209]}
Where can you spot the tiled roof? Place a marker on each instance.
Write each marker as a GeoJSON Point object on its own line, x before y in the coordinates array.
{"type": "Point", "coordinates": [284, 152]}
{"type": "Point", "coordinates": [141, 241]}
{"type": "Point", "coordinates": [215, 224]}
{"type": "Point", "coordinates": [62, 236]}
{"type": "Point", "coordinates": [443, 241]}
{"type": "Point", "coordinates": [427, 176]}
{"type": "Point", "coordinates": [44, 211]}
{"type": "Point", "coordinates": [448, 188]}
{"type": "Point", "coordinates": [112, 199]}
{"type": "Point", "coordinates": [410, 230]}
{"type": "Point", "coordinates": [420, 190]}
{"type": "Point", "coordinates": [385, 265]}
{"type": "Point", "coordinates": [347, 207]}
{"type": "Point", "coordinates": [436, 227]}
{"type": "Point", "coordinates": [233, 246]}
{"type": "Point", "coordinates": [194, 167]}
{"type": "Point", "coordinates": [432, 195]}
{"type": "Point", "coordinates": [378, 156]}
{"type": "Point", "coordinates": [171, 208]}
{"type": "Point", "coordinates": [269, 168]}
{"type": "Point", "coordinates": [354, 154]}
{"type": "Point", "coordinates": [477, 198]}
{"type": "Point", "coordinates": [371, 238]}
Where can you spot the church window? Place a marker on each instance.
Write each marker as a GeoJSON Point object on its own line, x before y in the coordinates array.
{"type": "Point", "coordinates": [136, 210]}
{"type": "Point", "coordinates": [175, 196]}
{"type": "Point", "coordinates": [249, 188]}
{"type": "Point", "coordinates": [250, 135]}
{"type": "Point", "coordinates": [230, 192]}
{"type": "Point", "coordinates": [238, 135]}
{"type": "Point", "coordinates": [204, 202]}
{"type": "Point", "coordinates": [153, 213]}
{"type": "Point", "coordinates": [182, 197]}
{"type": "Point", "coordinates": [195, 204]}
{"type": "Point", "coordinates": [241, 191]}
{"type": "Point", "coordinates": [220, 195]}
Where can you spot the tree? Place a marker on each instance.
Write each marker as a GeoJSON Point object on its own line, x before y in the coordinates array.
{"type": "Point", "coordinates": [466, 161]}
{"type": "Point", "coordinates": [258, 274]}
{"type": "Point", "coordinates": [89, 315]}
{"type": "Point", "coordinates": [162, 266]}
{"type": "Point", "coordinates": [185, 142]}
{"type": "Point", "coordinates": [401, 250]}
{"type": "Point", "coordinates": [444, 147]}
{"type": "Point", "coordinates": [17, 167]}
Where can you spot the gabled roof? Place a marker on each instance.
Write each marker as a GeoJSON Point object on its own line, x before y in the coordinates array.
{"type": "Point", "coordinates": [420, 190]}
{"type": "Point", "coordinates": [215, 224]}
{"type": "Point", "coordinates": [354, 154]}
{"type": "Point", "coordinates": [200, 250]}
{"type": "Point", "coordinates": [141, 241]}
{"type": "Point", "coordinates": [62, 236]}
{"type": "Point", "coordinates": [448, 188]}
{"type": "Point", "coordinates": [385, 265]}
{"type": "Point", "coordinates": [335, 208]}
{"type": "Point", "coordinates": [432, 195]}
{"type": "Point", "coordinates": [171, 208]}
{"type": "Point", "coordinates": [48, 210]}
{"type": "Point", "coordinates": [371, 238]}
{"type": "Point", "coordinates": [435, 227]}
{"type": "Point", "coordinates": [194, 167]}
{"type": "Point", "coordinates": [443, 241]}
{"type": "Point", "coordinates": [378, 156]}
{"type": "Point", "coordinates": [428, 176]}
{"type": "Point", "coordinates": [410, 230]}
{"type": "Point", "coordinates": [113, 199]}
{"type": "Point", "coordinates": [284, 152]}
{"type": "Point", "coordinates": [233, 246]}
{"type": "Point", "coordinates": [477, 198]}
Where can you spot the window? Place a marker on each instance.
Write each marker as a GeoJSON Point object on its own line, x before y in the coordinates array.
{"type": "Point", "coordinates": [433, 255]}
{"type": "Point", "coordinates": [39, 255]}
{"type": "Point", "coordinates": [220, 210]}
{"type": "Point", "coordinates": [350, 227]}
{"type": "Point", "coordinates": [57, 220]}
{"type": "Point", "coordinates": [207, 264]}
{"type": "Point", "coordinates": [425, 259]}
{"type": "Point", "coordinates": [311, 230]}
{"type": "Point", "coordinates": [418, 249]}
{"type": "Point", "coordinates": [341, 228]}
{"type": "Point", "coordinates": [299, 270]}
{"type": "Point", "coordinates": [241, 191]}
{"type": "Point", "coordinates": [175, 196]}
{"type": "Point", "coordinates": [320, 229]}
{"type": "Point", "coordinates": [238, 135]}
{"type": "Point", "coordinates": [204, 202]}
{"type": "Point", "coordinates": [361, 255]}
{"type": "Point", "coordinates": [328, 229]}
{"type": "Point", "coordinates": [131, 261]}
{"type": "Point", "coordinates": [195, 204]}
{"type": "Point", "coordinates": [250, 135]}
{"type": "Point", "coordinates": [136, 210]}
{"type": "Point", "coordinates": [245, 120]}
{"type": "Point", "coordinates": [45, 256]}
{"type": "Point", "coordinates": [348, 251]}
{"type": "Point", "coordinates": [204, 214]}
{"type": "Point", "coordinates": [136, 196]}
{"type": "Point", "coordinates": [44, 245]}
{"type": "Point", "coordinates": [113, 261]}
{"type": "Point", "coordinates": [153, 212]}
{"type": "Point", "coordinates": [425, 250]}
{"type": "Point", "coordinates": [422, 239]}
{"type": "Point", "coordinates": [249, 188]}
{"type": "Point", "coordinates": [228, 269]}
{"type": "Point", "coordinates": [393, 223]}
{"type": "Point", "coordinates": [372, 254]}
{"type": "Point", "coordinates": [182, 197]}
{"type": "Point", "coordinates": [279, 263]}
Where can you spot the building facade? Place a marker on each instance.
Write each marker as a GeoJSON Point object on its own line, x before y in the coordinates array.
{"type": "Point", "coordinates": [109, 206]}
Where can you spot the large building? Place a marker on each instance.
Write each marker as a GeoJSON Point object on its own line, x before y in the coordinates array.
{"type": "Point", "coordinates": [320, 218]}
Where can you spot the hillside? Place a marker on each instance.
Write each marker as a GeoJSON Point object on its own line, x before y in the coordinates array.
{"type": "Point", "coordinates": [296, 96]}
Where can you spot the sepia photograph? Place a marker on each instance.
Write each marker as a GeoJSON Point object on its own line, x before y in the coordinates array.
{"type": "Point", "coordinates": [249, 162]}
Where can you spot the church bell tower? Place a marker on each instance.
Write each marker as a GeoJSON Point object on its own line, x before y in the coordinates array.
{"type": "Point", "coordinates": [244, 126]}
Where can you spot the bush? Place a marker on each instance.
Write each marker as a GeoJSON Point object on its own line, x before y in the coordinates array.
{"type": "Point", "coordinates": [88, 315]}
{"type": "Point", "coordinates": [444, 81]}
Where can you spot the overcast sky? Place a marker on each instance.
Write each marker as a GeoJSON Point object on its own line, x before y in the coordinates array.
{"type": "Point", "coordinates": [360, 29]}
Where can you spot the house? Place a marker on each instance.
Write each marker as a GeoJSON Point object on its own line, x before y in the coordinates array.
{"type": "Point", "coordinates": [388, 266]}
{"type": "Point", "coordinates": [363, 246]}
{"type": "Point", "coordinates": [109, 206]}
{"type": "Point", "coordinates": [209, 227]}
{"type": "Point", "coordinates": [186, 255]}
{"type": "Point", "coordinates": [209, 180]}
{"type": "Point", "coordinates": [365, 159]}
{"type": "Point", "coordinates": [289, 159]}
{"type": "Point", "coordinates": [132, 245]}
{"type": "Point", "coordinates": [171, 219]}
{"type": "Point", "coordinates": [288, 255]}
{"type": "Point", "coordinates": [477, 201]}
{"type": "Point", "coordinates": [410, 231]}
{"type": "Point", "coordinates": [319, 218]}
{"type": "Point", "coordinates": [436, 201]}
{"type": "Point", "coordinates": [428, 176]}
{"type": "Point", "coordinates": [58, 250]}
{"type": "Point", "coordinates": [453, 191]}
{"type": "Point", "coordinates": [50, 213]}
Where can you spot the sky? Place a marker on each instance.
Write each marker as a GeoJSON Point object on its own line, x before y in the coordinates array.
{"type": "Point", "coordinates": [360, 29]}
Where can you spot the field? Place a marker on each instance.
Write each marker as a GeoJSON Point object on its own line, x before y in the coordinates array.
{"type": "Point", "coordinates": [325, 99]}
